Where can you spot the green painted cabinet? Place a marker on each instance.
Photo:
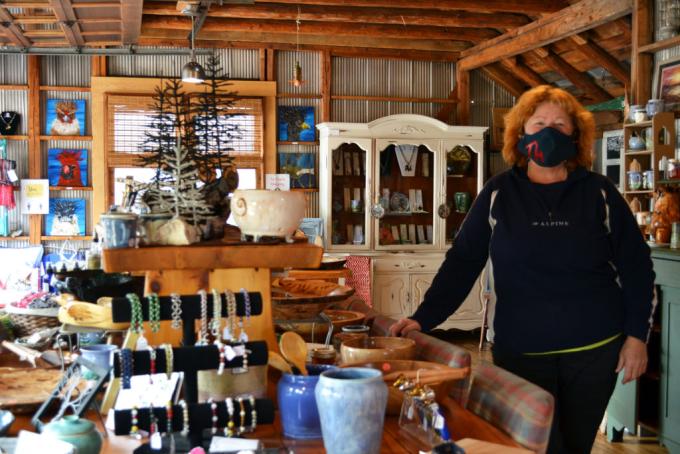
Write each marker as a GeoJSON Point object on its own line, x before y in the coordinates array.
{"type": "Point", "coordinates": [654, 400]}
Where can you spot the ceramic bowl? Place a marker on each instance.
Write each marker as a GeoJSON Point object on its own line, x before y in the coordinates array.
{"type": "Point", "coordinates": [368, 349]}
{"type": "Point", "coordinates": [268, 213]}
{"type": "Point", "coordinates": [6, 420]}
{"type": "Point", "coordinates": [394, 396]}
{"type": "Point", "coordinates": [316, 331]}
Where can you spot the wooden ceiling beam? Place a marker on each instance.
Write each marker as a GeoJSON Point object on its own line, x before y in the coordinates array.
{"type": "Point", "coordinates": [38, 5]}
{"type": "Point", "coordinates": [266, 39]}
{"type": "Point", "coordinates": [602, 58]}
{"type": "Point", "coordinates": [577, 18]}
{"type": "Point", "coordinates": [12, 30]}
{"type": "Point", "coordinates": [487, 6]}
{"type": "Point", "coordinates": [310, 13]}
{"type": "Point", "coordinates": [99, 4]}
{"type": "Point", "coordinates": [415, 32]}
{"type": "Point", "coordinates": [360, 52]}
{"type": "Point", "coordinates": [68, 21]}
{"type": "Point", "coordinates": [500, 75]}
{"type": "Point", "coordinates": [131, 21]}
{"type": "Point", "coordinates": [517, 66]}
{"type": "Point", "coordinates": [576, 77]}
{"type": "Point", "coordinates": [25, 20]}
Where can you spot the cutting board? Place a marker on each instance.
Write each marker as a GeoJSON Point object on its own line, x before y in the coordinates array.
{"type": "Point", "coordinates": [23, 390]}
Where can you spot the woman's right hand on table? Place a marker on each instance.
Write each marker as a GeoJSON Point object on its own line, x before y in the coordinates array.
{"type": "Point", "coordinates": [404, 326]}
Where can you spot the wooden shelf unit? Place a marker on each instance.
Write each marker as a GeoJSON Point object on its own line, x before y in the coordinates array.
{"type": "Point", "coordinates": [71, 188]}
{"type": "Point", "coordinates": [76, 138]}
{"type": "Point", "coordinates": [14, 137]}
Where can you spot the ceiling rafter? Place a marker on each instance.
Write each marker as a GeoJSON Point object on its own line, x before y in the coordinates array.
{"type": "Point", "coordinates": [315, 28]}
{"type": "Point", "coordinates": [524, 72]}
{"type": "Point", "coordinates": [602, 58]}
{"type": "Point", "coordinates": [131, 21]}
{"type": "Point", "coordinates": [68, 21]}
{"type": "Point", "coordinates": [506, 79]}
{"type": "Point", "coordinates": [12, 30]}
{"type": "Point", "coordinates": [387, 16]}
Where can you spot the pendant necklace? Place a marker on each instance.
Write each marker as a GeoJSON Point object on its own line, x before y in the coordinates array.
{"type": "Point", "coordinates": [8, 124]}
{"type": "Point", "coordinates": [408, 161]}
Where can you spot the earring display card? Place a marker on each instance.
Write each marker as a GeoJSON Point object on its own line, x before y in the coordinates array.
{"type": "Point", "coordinates": [421, 234]}
{"type": "Point", "coordinates": [421, 421]}
{"type": "Point", "coordinates": [412, 233]}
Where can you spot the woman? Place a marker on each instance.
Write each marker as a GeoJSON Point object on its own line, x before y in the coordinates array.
{"type": "Point", "coordinates": [573, 276]}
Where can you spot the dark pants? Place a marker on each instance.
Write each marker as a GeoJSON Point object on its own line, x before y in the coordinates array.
{"type": "Point", "coordinates": [581, 382]}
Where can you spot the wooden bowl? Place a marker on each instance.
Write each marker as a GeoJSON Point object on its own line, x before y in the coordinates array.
{"type": "Point", "coordinates": [318, 330]}
{"type": "Point", "coordinates": [288, 305]}
{"type": "Point", "coordinates": [394, 396]}
{"type": "Point", "coordinates": [369, 349]}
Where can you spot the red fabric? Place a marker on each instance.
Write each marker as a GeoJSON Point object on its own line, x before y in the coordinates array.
{"type": "Point", "coordinates": [360, 280]}
{"type": "Point", "coordinates": [7, 196]}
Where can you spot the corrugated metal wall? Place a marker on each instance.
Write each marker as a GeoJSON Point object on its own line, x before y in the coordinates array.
{"type": "Point", "coordinates": [13, 69]}
{"type": "Point", "coordinates": [241, 64]}
{"type": "Point", "coordinates": [65, 70]}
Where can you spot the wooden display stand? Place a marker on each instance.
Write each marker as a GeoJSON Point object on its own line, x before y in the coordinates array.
{"type": "Point", "coordinates": [186, 269]}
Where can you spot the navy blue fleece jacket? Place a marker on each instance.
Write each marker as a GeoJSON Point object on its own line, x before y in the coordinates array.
{"type": "Point", "coordinates": [570, 266]}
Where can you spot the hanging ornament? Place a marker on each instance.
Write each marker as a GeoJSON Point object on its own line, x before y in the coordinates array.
{"type": "Point", "coordinates": [297, 80]}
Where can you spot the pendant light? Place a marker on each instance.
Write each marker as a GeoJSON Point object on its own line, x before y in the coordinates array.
{"type": "Point", "coordinates": [192, 72]}
{"type": "Point", "coordinates": [297, 80]}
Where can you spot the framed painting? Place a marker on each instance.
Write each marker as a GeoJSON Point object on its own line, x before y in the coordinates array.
{"type": "Point", "coordinates": [301, 167]}
{"type": "Point", "coordinates": [612, 143]}
{"type": "Point", "coordinates": [66, 217]}
{"type": "Point", "coordinates": [498, 127]}
{"type": "Point", "coordinates": [67, 167]}
{"type": "Point", "coordinates": [65, 117]}
{"type": "Point", "coordinates": [296, 124]}
{"type": "Point", "coordinates": [667, 83]}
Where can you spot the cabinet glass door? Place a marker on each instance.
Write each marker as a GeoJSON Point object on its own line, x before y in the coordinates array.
{"type": "Point", "coordinates": [348, 198]}
{"type": "Point", "coordinates": [462, 174]}
{"type": "Point", "coordinates": [405, 193]}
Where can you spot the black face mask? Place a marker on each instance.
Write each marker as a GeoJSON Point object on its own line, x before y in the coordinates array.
{"type": "Point", "coordinates": [548, 147]}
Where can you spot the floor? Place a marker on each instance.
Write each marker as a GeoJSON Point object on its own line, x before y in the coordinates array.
{"type": "Point", "coordinates": [630, 444]}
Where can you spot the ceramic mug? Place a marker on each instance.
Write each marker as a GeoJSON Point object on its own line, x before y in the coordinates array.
{"type": "Point", "coordinates": [634, 180]}
{"type": "Point", "coordinates": [648, 179]}
{"type": "Point", "coordinates": [462, 200]}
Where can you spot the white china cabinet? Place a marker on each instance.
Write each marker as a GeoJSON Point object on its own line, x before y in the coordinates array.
{"type": "Point", "coordinates": [397, 189]}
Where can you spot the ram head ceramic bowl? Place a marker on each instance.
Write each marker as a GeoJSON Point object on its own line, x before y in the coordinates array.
{"type": "Point", "coordinates": [367, 349]}
{"type": "Point", "coordinates": [268, 213]}
{"type": "Point", "coordinates": [395, 397]}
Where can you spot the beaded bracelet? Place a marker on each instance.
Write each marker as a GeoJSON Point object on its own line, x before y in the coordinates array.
{"type": "Point", "coordinates": [169, 359]}
{"type": "Point", "coordinates": [243, 336]}
{"type": "Point", "coordinates": [229, 430]}
{"type": "Point", "coordinates": [168, 415]}
{"type": "Point", "coordinates": [213, 412]}
{"type": "Point", "coordinates": [154, 312]}
{"type": "Point", "coordinates": [185, 417]}
{"type": "Point", "coordinates": [220, 368]}
{"type": "Point", "coordinates": [155, 441]}
{"type": "Point", "coordinates": [126, 366]}
{"type": "Point", "coordinates": [152, 363]}
{"type": "Point", "coordinates": [248, 306]}
{"type": "Point", "coordinates": [228, 332]}
{"type": "Point", "coordinates": [176, 302]}
{"type": "Point", "coordinates": [253, 413]}
{"type": "Point", "coordinates": [134, 423]}
{"type": "Point", "coordinates": [241, 416]}
{"type": "Point", "coordinates": [203, 334]}
{"type": "Point", "coordinates": [136, 317]}
{"type": "Point", "coordinates": [217, 315]}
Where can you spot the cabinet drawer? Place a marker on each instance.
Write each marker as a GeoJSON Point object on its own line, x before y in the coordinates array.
{"type": "Point", "coordinates": [667, 272]}
{"type": "Point", "coordinates": [391, 265]}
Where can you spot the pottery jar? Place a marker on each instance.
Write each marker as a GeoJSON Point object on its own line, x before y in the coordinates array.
{"type": "Point", "coordinates": [81, 433]}
{"type": "Point", "coordinates": [120, 230]}
{"type": "Point", "coordinates": [351, 405]}
{"type": "Point", "coordinates": [268, 213]}
{"type": "Point", "coordinates": [297, 403]}
{"type": "Point", "coordinates": [654, 106]}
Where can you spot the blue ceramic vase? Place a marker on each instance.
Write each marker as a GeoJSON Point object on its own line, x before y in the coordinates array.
{"type": "Point", "coordinates": [297, 404]}
{"type": "Point", "coordinates": [351, 406]}
{"type": "Point", "coordinates": [81, 433]}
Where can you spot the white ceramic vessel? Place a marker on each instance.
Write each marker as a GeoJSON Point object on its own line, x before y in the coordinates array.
{"type": "Point", "coordinates": [268, 213]}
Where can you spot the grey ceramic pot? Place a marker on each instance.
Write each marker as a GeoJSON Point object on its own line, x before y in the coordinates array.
{"type": "Point", "coordinates": [351, 405]}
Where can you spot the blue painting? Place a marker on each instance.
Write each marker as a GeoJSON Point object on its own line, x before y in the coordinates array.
{"type": "Point", "coordinates": [65, 117]}
{"type": "Point", "coordinates": [296, 124]}
{"type": "Point", "coordinates": [67, 167]}
{"type": "Point", "coordinates": [300, 167]}
{"type": "Point", "coordinates": [66, 217]}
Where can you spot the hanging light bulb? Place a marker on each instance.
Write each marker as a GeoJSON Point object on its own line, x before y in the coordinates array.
{"type": "Point", "coordinates": [297, 80]}
{"type": "Point", "coordinates": [192, 72]}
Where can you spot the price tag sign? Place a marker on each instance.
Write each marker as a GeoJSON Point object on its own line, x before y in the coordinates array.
{"type": "Point", "coordinates": [35, 195]}
{"type": "Point", "coordinates": [277, 181]}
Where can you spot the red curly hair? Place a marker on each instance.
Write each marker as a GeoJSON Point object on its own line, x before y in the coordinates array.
{"type": "Point", "coordinates": [584, 125]}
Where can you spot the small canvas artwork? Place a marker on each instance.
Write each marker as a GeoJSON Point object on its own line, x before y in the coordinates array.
{"type": "Point", "coordinates": [67, 167]}
{"type": "Point", "coordinates": [296, 124]}
{"type": "Point", "coordinates": [300, 167]}
{"type": "Point", "coordinates": [66, 217]}
{"type": "Point", "coordinates": [65, 117]}
{"type": "Point", "coordinates": [610, 155]}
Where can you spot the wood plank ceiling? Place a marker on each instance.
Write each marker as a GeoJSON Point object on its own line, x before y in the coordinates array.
{"type": "Point", "coordinates": [583, 46]}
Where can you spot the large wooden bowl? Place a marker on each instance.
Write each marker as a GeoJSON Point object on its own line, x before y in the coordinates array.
{"type": "Point", "coordinates": [289, 303]}
{"type": "Point", "coordinates": [307, 330]}
{"type": "Point", "coordinates": [396, 397]}
{"type": "Point", "coordinates": [368, 349]}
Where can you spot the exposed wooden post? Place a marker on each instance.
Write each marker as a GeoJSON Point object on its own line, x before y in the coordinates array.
{"type": "Point", "coordinates": [463, 91]}
{"type": "Point", "coordinates": [271, 65]}
{"type": "Point", "coordinates": [263, 64]}
{"type": "Point", "coordinates": [641, 63]}
{"type": "Point", "coordinates": [98, 64]}
{"type": "Point", "coordinates": [326, 80]}
{"type": "Point", "coordinates": [34, 128]}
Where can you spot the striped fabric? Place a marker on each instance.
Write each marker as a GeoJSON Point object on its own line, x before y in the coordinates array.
{"type": "Point", "coordinates": [514, 405]}
{"type": "Point", "coordinates": [361, 278]}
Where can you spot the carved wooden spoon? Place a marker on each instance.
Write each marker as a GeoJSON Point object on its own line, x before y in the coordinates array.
{"type": "Point", "coordinates": [277, 362]}
{"type": "Point", "coordinates": [294, 349]}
